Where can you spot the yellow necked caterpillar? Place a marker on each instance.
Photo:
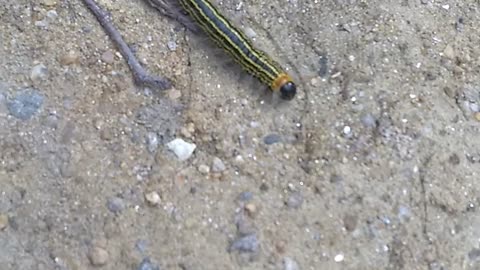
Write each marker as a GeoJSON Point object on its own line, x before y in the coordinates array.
{"type": "Point", "coordinates": [235, 43]}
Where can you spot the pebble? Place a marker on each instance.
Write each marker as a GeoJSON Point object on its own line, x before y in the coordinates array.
{"type": "Point", "coordinates": [152, 142]}
{"type": "Point", "coordinates": [115, 204]}
{"type": "Point", "coordinates": [474, 254]}
{"type": "Point", "coordinates": [245, 196]}
{"type": "Point", "coordinates": [183, 150]}
{"type": "Point", "coordinates": [449, 52]}
{"type": "Point", "coordinates": [477, 116]}
{"type": "Point", "coordinates": [49, 3]}
{"type": "Point", "coordinates": [218, 165]}
{"type": "Point", "coordinates": [52, 14]}
{"type": "Point", "coordinates": [249, 32]}
{"type": "Point", "coordinates": [147, 264]}
{"type": "Point", "coordinates": [272, 139]}
{"type": "Point", "coordinates": [350, 222]}
{"type": "Point", "coordinates": [368, 121]}
{"type": "Point", "coordinates": [174, 94]}
{"type": "Point", "coordinates": [3, 221]}
{"type": "Point", "coordinates": [203, 169]}
{"type": "Point", "coordinates": [290, 264]}
{"type": "Point", "coordinates": [172, 45]}
{"type": "Point", "coordinates": [25, 104]}
{"type": "Point", "coordinates": [247, 243]}
{"type": "Point", "coordinates": [98, 256]}
{"type": "Point", "coordinates": [39, 73]}
{"type": "Point", "coordinates": [339, 257]}
{"type": "Point", "coordinates": [72, 57]}
{"type": "Point", "coordinates": [295, 200]}
{"type": "Point", "coordinates": [153, 198]}
{"type": "Point", "coordinates": [251, 209]}
{"type": "Point", "coordinates": [108, 57]}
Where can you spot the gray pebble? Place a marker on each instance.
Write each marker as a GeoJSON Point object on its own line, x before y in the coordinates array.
{"type": "Point", "coordinates": [272, 139]}
{"type": "Point", "coordinates": [172, 45]}
{"type": "Point", "coordinates": [218, 165]}
{"type": "Point", "coordinates": [98, 256]}
{"type": "Point", "coordinates": [350, 222]}
{"type": "Point", "coordinates": [108, 57]}
{"type": "Point", "coordinates": [52, 15]}
{"type": "Point", "coordinates": [474, 254]}
{"type": "Point", "coordinates": [147, 264]}
{"type": "Point", "coordinates": [39, 73]}
{"type": "Point", "coordinates": [295, 200]}
{"type": "Point", "coordinates": [152, 142]}
{"type": "Point", "coordinates": [245, 196]}
{"type": "Point", "coordinates": [25, 104]}
{"type": "Point", "coordinates": [248, 243]}
{"type": "Point", "coordinates": [115, 204]}
{"type": "Point", "coordinates": [323, 70]}
{"type": "Point", "coordinates": [369, 121]}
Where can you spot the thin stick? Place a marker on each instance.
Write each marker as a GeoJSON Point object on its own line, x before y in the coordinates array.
{"type": "Point", "coordinates": [173, 10]}
{"type": "Point", "coordinates": [140, 75]}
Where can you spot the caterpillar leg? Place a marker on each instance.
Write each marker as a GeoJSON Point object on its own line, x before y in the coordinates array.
{"type": "Point", "coordinates": [141, 76]}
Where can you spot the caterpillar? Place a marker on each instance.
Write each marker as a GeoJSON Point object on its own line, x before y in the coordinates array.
{"type": "Point", "coordinates": [235, 43]}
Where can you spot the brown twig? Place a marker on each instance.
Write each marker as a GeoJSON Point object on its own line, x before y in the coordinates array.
{"type": "Point", "coordinates": [141, 76]}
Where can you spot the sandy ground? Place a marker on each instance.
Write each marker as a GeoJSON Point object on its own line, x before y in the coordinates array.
{"type": "Point", "coordinates": [372, 166]}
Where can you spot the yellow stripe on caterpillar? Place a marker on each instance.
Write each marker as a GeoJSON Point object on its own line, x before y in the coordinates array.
{"type": "Point", "coordinates": [235, 43]}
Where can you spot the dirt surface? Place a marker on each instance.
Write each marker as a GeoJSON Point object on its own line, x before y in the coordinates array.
{"type": "Point", "coordinates": [374, 165]}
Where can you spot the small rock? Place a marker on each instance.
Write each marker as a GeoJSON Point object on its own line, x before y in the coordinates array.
{"type": "Point", "coordinates": [152, 142]}
{"type": "Point", "coordinates": [454, 159]}
{"type": "Point", "coordinates": [245, 196]}
{"type": "Point", "coordinates": [203, 169]}
{"type": "Point", "coordinates": [108, 57]}
{"type": "Point", "coordinates": [251, 209]}
{"type": "Point", "coordinates": [474, 254]}
{"type": "Point", "coordinates": [98, 256]}
{"type": "Point", "coordinates": [477, 116]}
{"type": "Point", "coordinates": [247, 243]}
{"type": "Point", "coordinates": [272, 139]}
{"type": "Point", "coordinates": [174, 94]}
{"type": "Point", "coordinates": [244, 226]}
{"type": "Point", "coordinates": [369, 121]}
{"type": "Point", "coordinates": [183, 150]}
{"type": "Point", "coordinates": [153, 198]}
{"type": "Point", "coordinates": [49, 3]}
{"type": "Point", "coordinates": [290, 264]}
{"type": "Point", "coordinates": [52, 15]}
{"type": "Point", "coordinates": [335, 178]}
{"type": "Point", "coordinates": [115, 204]}
{"type": "Point", "coordinates": [172, 45]}
{"type": "Point", "coordinates": [25, 104]}
{"type": "Point", "coordinates": [147, 264]}
{"type": "Point", "coordinates": [339, 257]}
{"type": "Point", "coordinates": [72, 57]}
{"type": "Point", "coordinates": [350, 222]}
{"type": "Point", "coordinates": [39, 73]}
{"type": "Point", "coordinates": [218, 165]}
{"type": "Point", "coordinates": [249, 32]}
{"type": "Point", "coordinates": [3, 221]}
{"type": "Point", "coordinates": [449, 52]}
{"type": "Point", "coordinates": [295, 200]}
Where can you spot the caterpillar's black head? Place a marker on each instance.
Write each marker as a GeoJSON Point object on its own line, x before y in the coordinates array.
{"type": "Point", "coordinates": [288, 90]}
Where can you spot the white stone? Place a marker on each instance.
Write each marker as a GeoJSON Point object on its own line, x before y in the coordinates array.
{"type": "Point", "coordinates": [182, 149]}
